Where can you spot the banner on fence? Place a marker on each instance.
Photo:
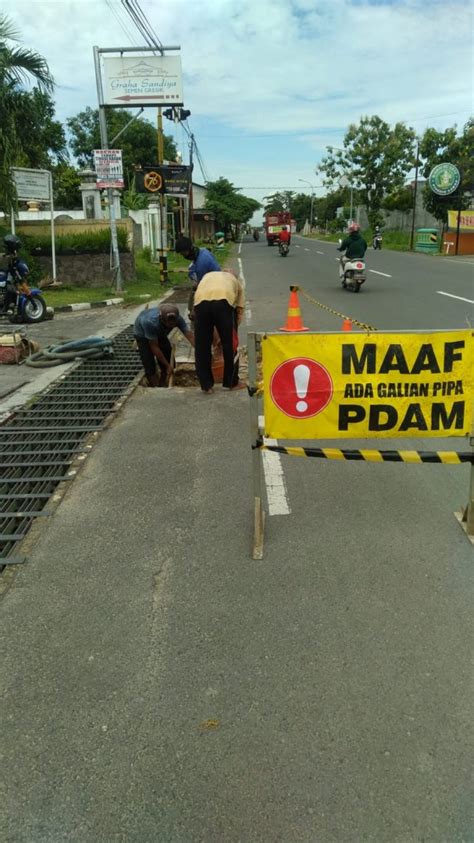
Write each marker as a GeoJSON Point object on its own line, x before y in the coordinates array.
{"type": "Point", "coordinates": [331, 386]}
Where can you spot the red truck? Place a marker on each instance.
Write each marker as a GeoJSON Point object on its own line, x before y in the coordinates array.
{"type": "Point", "coordinates": [273, 224]}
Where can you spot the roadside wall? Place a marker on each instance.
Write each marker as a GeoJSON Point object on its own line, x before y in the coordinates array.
{"type": "Point", "coordinates": [70, 226]}
{"type": "Point", "coordinates": [88, 270]}
{"type": "Point", "coordinates": [466, 242]}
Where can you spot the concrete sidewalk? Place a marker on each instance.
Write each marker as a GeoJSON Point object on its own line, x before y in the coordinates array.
{"type": "Point", "coordinates": [160, 686]}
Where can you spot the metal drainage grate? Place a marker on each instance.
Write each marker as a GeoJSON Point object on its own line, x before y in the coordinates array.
{"type": "Point", "coordinates": [39, 444]}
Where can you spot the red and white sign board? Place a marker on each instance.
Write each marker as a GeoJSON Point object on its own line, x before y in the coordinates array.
{"type": "Point", "coordinates": [108, 168]}
{"type": "Point", "coordinates": [301, 387]}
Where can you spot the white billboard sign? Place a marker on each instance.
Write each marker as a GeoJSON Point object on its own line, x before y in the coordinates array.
{"type": "Point", "coordinates": [32, 184]}
{"type": "Point", "coordinates": [154, 80]}
{"type": "Point", "coordinates": [108, 168]}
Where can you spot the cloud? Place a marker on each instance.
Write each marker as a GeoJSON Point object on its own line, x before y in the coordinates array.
{"type": "Point", "coordinates": [304, 68]}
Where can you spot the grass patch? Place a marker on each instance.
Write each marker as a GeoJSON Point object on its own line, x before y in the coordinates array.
{"type": "Point", "coordinates": [147, 282]}
{"type": "Point", "coordinates": [92, 242]}
{"type": "Point", "coordinates": [396, 240]}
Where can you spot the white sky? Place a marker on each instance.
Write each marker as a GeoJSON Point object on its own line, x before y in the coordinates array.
{"type": "Point", "coordinates": [271, 83]}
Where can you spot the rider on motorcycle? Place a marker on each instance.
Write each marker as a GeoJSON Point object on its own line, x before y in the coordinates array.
{"type": "Point", "coordinates": [353, 245]}
{"type": "Point", "coordinates": [285, 235]}
{"type": "Point", "coordinates": [17, 270]}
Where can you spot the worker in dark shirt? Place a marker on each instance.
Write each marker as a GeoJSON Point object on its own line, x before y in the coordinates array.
{"type": "Point", "coordinates": [353, 245]}
{"type": "Point", "coordinates": [202, 262]}
{"type": "Point", "coordinates": [151, 330]}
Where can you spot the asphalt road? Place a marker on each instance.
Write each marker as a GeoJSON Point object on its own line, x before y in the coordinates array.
{"type": "Point", "coordinates": [158, 685]}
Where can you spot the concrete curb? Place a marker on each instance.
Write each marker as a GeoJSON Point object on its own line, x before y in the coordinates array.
{"type": "Point", "coordinates": [65, 308]}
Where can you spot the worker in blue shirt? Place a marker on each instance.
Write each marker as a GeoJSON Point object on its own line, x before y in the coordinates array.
{"type": "Point", "coordinates": [203, 261]}
{"type": "Point", "coordinates": [151, 330]}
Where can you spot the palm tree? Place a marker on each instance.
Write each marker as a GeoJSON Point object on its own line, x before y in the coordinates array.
{"type": "Point", "coordinates": [17, 66]}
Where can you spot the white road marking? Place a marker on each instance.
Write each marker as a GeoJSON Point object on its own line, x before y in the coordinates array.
{"type": "Point", "coordinates": [440, 292]}
{"type": "Point", "coordinates": [248, 312]}
{"type": "Point", "coordinates": [306, 250]}
{"type": "Point", "coordinates": [385, 274]}
{"type": "Point", "coordinates": [319, 253]}
{"type": "Point", "coordinates": [277, 496]}
{"type": "Point", "coordinates": [297, 247]}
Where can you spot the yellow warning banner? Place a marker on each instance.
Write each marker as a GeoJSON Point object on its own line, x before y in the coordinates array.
{"type": "Point", "coordinates": [331, 386]}
{"type": "Point", "coordinates": [466, 220]}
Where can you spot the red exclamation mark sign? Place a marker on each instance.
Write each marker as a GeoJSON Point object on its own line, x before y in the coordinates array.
{"type": "Point", "coordinates": [301, 376]}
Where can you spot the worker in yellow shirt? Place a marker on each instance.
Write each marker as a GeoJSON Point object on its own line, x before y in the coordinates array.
{"type": "Point", "coordinates": [218, 304]}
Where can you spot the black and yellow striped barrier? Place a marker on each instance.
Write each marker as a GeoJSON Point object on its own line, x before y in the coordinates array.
{"type": "Point", "coordinates": [445, 457]}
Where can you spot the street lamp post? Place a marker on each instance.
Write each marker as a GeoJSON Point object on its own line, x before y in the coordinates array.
{"type": "Point", "coordinates": [312, 202]}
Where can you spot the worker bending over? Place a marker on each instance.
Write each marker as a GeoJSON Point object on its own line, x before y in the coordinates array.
{"type": "Point", "coordinates": [151, 330]}
{"type": "Point", "coordinates": [218, 303]}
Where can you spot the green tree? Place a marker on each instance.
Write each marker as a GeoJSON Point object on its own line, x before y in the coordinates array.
{"type": "Point", "coordinates": [138, 143]}
{"type": "Point", "coordinates": [399, 200]}
{"type": "Point", "coordinates": [41, 138]}
{"type": "Point", "coordinates": [280, 201]}
{"type": "Point", "coordinates": [451, 147]}
{"type": "Point", "coordinates": [17, 66]}
{"type": "Point", "coordinates": [66, 181]}
{"type": "Point", "coordinates": [376, 157]}
{"type": "Point", "coordinates": [229, 207]}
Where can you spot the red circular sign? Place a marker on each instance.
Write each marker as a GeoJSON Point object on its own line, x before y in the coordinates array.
{"type": "Point", "coordinates": [301, 387]}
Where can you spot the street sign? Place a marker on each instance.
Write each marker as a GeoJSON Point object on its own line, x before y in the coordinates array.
{"type": "Point", "coordinates": [32, 184]}
{"type": "Point", "coordinates": [168, 179]}
{"type": "Point", "coordinates": [344, 181]}
{"type": "Point", "coordinates": [108, 168]}
{"type": "Point", "coordinates": [444, 179]}
{"type": "Point", "coordinates": [150, 80]}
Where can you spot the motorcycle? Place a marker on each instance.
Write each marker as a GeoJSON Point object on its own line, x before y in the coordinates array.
{"type": "Point", "coordinates": [29, 305]}
{"type": "Point", "coordinates": [283, 248]}
{"type": "Point", "coordinates": [377, 241]}
{"type": "Point", "coordinates": [352, 273]}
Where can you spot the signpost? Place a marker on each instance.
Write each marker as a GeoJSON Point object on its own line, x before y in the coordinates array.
{"type": "Point", "coordinates": [171, 180]}
{"type": "Point", "coordinates": [444, 179]}
{"type": "Point", "coordinates": [150, 80]}
{"type": "Point", "coordinates": [36, 184]}
{"type": "Point", "coordinates": [108, 168]}
{"type": "Point", "coordinates": [137, 81]}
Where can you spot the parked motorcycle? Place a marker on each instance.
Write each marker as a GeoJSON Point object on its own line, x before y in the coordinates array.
{"type": "Point", "coordinates": [377, 241]}
{"type": "Point", "coordinates": [18, 301]}
{"type": "Point", "coordinates": [283, 248]}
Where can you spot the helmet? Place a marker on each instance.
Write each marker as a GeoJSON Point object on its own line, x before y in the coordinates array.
{"type": "Point", "coordinates": [354, 226]}
{"type": "Point", "coordinates": [12, 243]}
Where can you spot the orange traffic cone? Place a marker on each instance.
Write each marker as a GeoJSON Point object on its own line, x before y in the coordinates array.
{"type": "Point", "coordinates": [347, 325]}
{"type": "Point", "coordinates": [294, 322]}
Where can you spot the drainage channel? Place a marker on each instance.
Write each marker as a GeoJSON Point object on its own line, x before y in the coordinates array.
{"type": "Point", "coordinates": [39, 444]}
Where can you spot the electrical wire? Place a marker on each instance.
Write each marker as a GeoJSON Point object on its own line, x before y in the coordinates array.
{"type": "Point", "coordinates": [115, 11]}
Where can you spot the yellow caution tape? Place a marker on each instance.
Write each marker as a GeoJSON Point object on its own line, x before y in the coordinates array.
{"type": "Point", "coordinates": [445, 457]}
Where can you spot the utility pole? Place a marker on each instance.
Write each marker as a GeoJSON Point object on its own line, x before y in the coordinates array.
{"type": "Point", "coordinates": [163, 248]}
{"type": "Point", "coordinates": [105, 145]}
{"type": "Point", "coordinates": [412, 235]}
{"type": "Point", "coordinates": [191, 209]}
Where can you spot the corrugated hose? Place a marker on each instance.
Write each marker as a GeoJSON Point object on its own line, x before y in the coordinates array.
{"type": "Point", "coordinates": [91, 348]}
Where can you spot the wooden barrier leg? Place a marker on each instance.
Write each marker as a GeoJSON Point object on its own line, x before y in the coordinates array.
{"type": "Point", "coordinates": [466, 516]}
{"type": "Point", "coordinates": [259, 514]}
